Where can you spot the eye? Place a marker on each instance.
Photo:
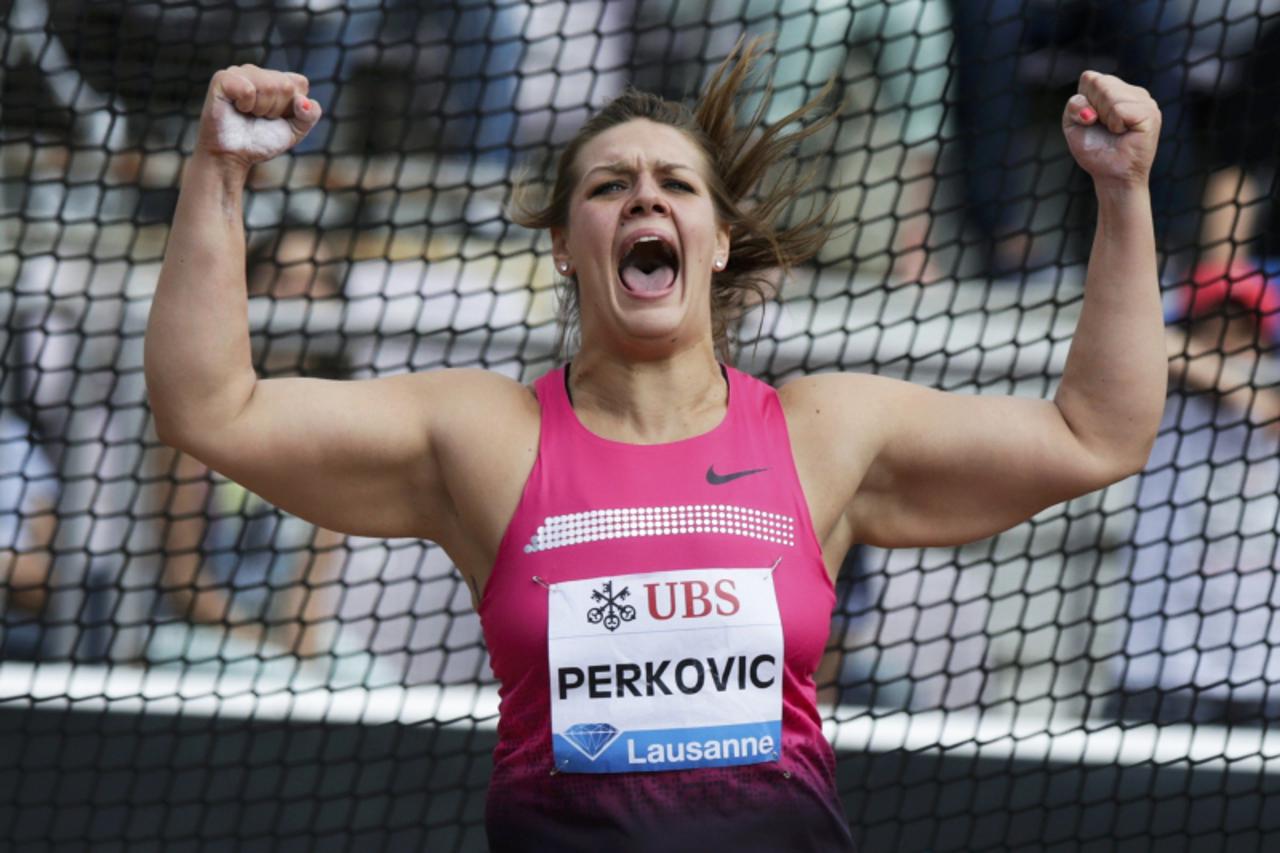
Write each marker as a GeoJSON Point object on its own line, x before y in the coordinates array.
{"type": "Point", "coordinates": [679, 185]}
{"type": "Point", "coordinates": [606, 188]}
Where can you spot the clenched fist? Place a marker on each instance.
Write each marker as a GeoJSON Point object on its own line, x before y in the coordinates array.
{"type": "Point", "coordinates": [252, 114]}
{"type": "Point", "coordinates": [1112, 129]}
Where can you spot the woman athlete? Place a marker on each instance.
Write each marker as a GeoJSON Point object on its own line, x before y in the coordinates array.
{"type": "Point", "coordinates": [650, 536]}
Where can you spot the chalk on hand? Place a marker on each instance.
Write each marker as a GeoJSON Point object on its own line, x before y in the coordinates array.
{"type": "Point", "coordinates": [1096, 137]}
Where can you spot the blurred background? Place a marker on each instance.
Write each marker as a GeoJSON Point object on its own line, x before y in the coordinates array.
{"type": "Point", "coordinates": [184, 665]}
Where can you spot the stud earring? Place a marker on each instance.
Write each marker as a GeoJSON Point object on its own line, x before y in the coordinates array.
{"type": "Point", "coordinates": [719, 264]}
{"type": "Point", "coordinates": [563, 266]}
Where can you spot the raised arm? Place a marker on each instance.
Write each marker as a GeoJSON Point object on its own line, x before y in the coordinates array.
{"type": "Point", "coordinates": [369, 457]}
{"type": "Point", "coordinates": [198, 362]}
{"type": "Point", "coordinates": [899, 465]}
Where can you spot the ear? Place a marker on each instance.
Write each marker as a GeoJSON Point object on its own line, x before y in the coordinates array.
{"type": "Point", "coordinates": [560, 250]}
{"type": "Point", "coordinates": [722, 242]}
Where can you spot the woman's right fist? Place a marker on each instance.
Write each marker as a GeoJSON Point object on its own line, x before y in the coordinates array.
{"type": "Point", "coordinates": [252, 114]}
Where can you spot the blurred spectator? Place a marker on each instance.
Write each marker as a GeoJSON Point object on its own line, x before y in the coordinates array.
{"type": "Point", "coordinates": [1204, 557]}
{"type": "Point", "coordinates": [328, 40]}
{"type": "Point", "coordinates": [28, 495]}
{"type": "Point", "coordinates": [99, 127]}
{"type": "Point", "coordinates": [1205, 548]}
{"type": "Point", "coordinates": [265, 576]}
{"type": "Point", "coordinates": [847, 674]}
{"type": "Point", "coordinates": [1244, 133]}
{"type": "Point", "coordinates": [461, 62]}
{"type": "Point", "coordinates": [232, 559]}
{"type": "Point", "coordinates": [991, 109]}
{"type": "Point", "coordinates": [908, 43]}
{"type": "Point", "coordinates": [105, 536]}
{"type": "Point", "coordinates": [99, 118]}
{"type": "Point", "coordinates": [296, 261]}
{"type": "Point", "coordinates": [1150, 42]}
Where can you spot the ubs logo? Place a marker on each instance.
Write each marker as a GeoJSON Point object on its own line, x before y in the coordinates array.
{"type": "Point", "coordinates": [692, 599]}
{"type": "Point", "coordinates": [610, 612]}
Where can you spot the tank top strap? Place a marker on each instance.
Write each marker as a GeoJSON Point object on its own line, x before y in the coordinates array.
{"type": "Point", "coordinates": [553, 399]}
{"type": "Point", "coordinates": [559, 426]}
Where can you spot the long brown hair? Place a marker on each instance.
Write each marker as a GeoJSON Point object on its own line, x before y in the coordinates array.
{"type": "Point", "coordinates": [750, 195]}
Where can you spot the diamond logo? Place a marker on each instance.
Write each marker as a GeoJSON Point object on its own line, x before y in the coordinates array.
{"type": "Point", "coordinates": [591, 739]}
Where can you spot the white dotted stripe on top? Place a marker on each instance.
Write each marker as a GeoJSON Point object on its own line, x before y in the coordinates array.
{"type": "Point", "coordinates": [597, 525]}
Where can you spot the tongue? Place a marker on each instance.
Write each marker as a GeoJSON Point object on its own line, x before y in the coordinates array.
{"type": "Point", "coordinates": [639, 281]}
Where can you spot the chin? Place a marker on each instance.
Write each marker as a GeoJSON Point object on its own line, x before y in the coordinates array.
{"type": "Point", "coordinates": [653, 319]}
{"type": "Point", "coordinates": [665, 335]}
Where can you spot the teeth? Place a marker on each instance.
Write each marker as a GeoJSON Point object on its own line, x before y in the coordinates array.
{"type": "Point", "coordinates": [648, 238]}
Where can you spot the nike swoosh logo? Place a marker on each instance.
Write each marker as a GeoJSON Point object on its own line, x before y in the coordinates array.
{"type": "Point", "coordinates": [720, 479]}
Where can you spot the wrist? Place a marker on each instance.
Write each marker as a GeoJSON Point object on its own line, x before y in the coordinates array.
{"type": "Point", "coordinates": [1123, 205]}
{"type": "Point", "coordinates": [229, 171]}
{"type": "Point", "coordinates": [1121, 191]}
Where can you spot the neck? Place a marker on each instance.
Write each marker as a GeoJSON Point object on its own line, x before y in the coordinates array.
{"type": "Point", "coordinates": [648, 402]}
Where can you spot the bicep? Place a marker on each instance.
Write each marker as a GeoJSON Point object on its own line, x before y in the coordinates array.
{"type": "Point", "coordinates": [353, 456]}
{"type": "Point", "coordinates": [944, 468]}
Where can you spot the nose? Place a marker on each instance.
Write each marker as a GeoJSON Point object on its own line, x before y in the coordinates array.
{"type": "Point", "coordinates": [646, 199]}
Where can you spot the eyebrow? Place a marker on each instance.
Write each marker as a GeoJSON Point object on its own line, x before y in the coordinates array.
{"type": "Point", "coordinates": [620, 167]}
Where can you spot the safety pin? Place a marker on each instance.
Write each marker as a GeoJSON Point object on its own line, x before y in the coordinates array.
{"type": "Point", "coordinates": [775, 565]}
{"type": "Point", "coordinates": [555, 768]}
{"type": "Point", "coordinates": [541, 582]}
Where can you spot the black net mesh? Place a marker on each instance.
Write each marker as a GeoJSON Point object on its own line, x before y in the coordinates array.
{"type": "Point", "coordinates": [184, 665]}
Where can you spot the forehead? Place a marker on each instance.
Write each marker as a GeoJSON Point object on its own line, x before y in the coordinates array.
{"type": "Point", "coordinates": [641, 144]}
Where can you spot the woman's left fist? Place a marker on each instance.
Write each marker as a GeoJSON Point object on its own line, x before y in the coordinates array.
{"type": "Point", "coordinates": [1112, 129]}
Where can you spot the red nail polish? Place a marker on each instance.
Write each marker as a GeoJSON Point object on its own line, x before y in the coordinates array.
{"type": "Point", "coordinates": [1088, 114]}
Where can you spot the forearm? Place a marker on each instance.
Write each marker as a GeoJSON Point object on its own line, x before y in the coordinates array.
{"type": "Point", "coordinates": [198, 360]}
{"type": "Point", "coordinates": [1113, 387]}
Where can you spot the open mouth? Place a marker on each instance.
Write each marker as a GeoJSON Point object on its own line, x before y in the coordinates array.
{"type": "Point", "coordinates": [649, 265]}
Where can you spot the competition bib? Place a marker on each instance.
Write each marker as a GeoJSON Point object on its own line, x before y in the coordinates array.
{"type": "Point", "coordinates": [665, 671]}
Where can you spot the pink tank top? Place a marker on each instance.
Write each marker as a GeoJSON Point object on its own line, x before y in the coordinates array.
{"type": "Point", "coordinates": [654, 618]}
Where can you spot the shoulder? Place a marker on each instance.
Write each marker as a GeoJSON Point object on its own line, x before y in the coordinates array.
{"type": "Point", "coordinates": [453, 414]}
{"type": "Point", "coordinates": [479, 387]}
{"type": "Point", "coordinates": [824, 402]}
{"type": "Point", "coordinates": [837, 423]}
{"type": "Point", "coordinates": [484, 441]}
{"type": "Point", "coordinates": [474, 404]}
